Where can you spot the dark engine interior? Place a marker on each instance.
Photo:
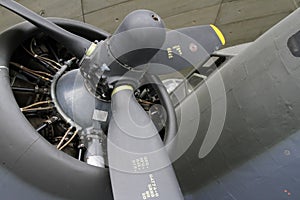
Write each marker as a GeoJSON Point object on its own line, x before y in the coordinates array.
{"type": "Point", "coordinates": [32, 68]}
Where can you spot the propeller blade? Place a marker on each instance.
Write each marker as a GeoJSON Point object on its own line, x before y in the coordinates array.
{"type": "Point", "coordinates": [74, 43]}
{"type": "Point", "coordinates": [139, 165]}
{"type": "Point", "coordinates": [186, 47]}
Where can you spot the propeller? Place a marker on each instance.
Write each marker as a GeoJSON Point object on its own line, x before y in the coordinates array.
{"type": "Point", "coordinates": [138, 162]}
{"type": "Point", "coordinates": [186, 47]}
{"type": "Point", "coordinates": [74, 43]}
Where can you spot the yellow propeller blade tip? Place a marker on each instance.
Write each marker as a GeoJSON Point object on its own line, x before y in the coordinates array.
{"type": "Point", "coordinates": [219, 34]}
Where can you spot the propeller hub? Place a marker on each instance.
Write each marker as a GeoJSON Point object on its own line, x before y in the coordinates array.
{"type": "Point", "coordinates": [137, 39]}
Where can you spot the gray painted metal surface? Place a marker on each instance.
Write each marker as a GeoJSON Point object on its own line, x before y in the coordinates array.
{"type": "Point", "coordinates": [255, 157]}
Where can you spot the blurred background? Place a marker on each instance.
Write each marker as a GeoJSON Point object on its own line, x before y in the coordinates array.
{"type": "Point", "coordinates": [240, 20]}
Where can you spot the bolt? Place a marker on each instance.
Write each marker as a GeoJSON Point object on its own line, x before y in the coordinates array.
{"type": "Point", "coordinates": [104, 67]}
